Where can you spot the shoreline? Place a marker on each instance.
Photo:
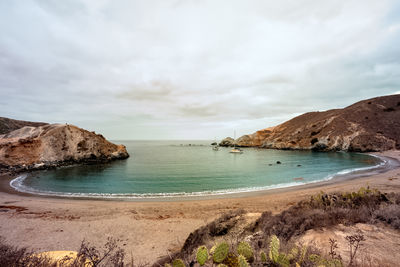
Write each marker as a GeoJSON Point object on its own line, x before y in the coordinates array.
{"type": "Point", "coordinates": [386, 164]}
{"type": "Point", "coordinates": [150, 229]}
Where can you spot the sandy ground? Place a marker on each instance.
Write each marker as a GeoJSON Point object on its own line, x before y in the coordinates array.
{"type": "Point", "coordinates": [380, 248]}
{"type": "Point", "coordinates": [151, 229]}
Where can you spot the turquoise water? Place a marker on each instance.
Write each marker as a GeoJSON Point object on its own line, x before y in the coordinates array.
{"type": "Point", "coordinates": [167, 168]}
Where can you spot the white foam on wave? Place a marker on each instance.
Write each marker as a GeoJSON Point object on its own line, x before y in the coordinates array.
{"type": "Point", "coordinates": [380, 164]}
{"type": "Point", "coordinates": [19, 186]}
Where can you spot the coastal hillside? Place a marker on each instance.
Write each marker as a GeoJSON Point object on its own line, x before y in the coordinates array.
{"type": "Point", "coordinates": [53, 145]}
{"type": "Point", "coordinates": [369, 125]}
{"type": "Point", "coordinates": [8, 125]}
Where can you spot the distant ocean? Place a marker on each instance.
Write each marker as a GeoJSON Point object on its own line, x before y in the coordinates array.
{"type": "Point", "coordinates": [192, 168]}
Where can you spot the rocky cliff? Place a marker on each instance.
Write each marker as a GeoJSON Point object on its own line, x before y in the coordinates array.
{"type": "Point", "coordinates": [53, 145]}
{"type": "Point", "coordinates": [369, 125]}
{"type": "Point", "coordinates": [8, 125]}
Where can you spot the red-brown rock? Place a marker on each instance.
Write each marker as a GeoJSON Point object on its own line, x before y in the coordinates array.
{"type": "Point", "coordinates": [369, 125]}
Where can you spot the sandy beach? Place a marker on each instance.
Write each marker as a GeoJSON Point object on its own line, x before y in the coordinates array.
{"type": "Point", "coordinates": [150, 229]}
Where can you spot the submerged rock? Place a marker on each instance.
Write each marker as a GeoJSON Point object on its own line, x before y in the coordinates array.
{"type": "Point", "coordinates": [54, 145]}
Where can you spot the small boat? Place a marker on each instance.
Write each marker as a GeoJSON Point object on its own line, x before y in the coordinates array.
{"type": "Point", "coordinates": [236, 150]}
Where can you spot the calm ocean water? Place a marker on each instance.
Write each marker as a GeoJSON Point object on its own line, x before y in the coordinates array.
{"type": "Point", "coordinates": [168, 168]}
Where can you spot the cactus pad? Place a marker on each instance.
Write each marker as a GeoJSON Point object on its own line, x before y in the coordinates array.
{"type": "Point", "coordinates": [283, 260]}
{"type": "Point", "coordinates": [293, 253]}
{"type": "Point", "coordinates": [242, 261]}
{"type": "Point", "coordinates": [178, 263]}
{"type": "Point", "coordinates": [212, 249]}
{"type": "Point", "coordinates": [231, 260]}
{"type": "Point", "coordinates": [220, 252]}
{"type": "Point", "coordinates": [263, 257]}
{"type": "Point", "coordinates": [274, 248]}
{"type": "Point", "coordinates": [202, 255]}
{"type": "Point", "coordinates": [303, 253]}
{"type": "Point", "coordinates": [245, 250]}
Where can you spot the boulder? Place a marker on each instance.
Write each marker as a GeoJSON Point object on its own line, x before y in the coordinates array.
{"type": "Point", "coordinates": [229, 141]}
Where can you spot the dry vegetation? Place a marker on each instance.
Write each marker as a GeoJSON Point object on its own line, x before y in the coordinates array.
{"type": "Point", "coordinates": [323, 210]}
{"type": "Point", "coordinates": [268, 241]}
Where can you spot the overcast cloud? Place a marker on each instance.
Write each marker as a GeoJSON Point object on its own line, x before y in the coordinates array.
{"type": "Point", "coordinates": [192, 69]}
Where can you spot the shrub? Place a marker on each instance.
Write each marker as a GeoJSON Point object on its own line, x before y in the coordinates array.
{"type": "Point", "coordinates": [12, 256]}
{"type": "Point", "coordinates": [389, 214]}
{"type": "Point", "coordinates": [323, 210]}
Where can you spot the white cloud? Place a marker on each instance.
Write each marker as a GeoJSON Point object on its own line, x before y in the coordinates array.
{"type": "Point", "coordinates": [192, 69]}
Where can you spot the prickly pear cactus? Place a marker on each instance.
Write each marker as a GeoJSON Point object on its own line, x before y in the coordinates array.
{"type": "Point", "coordinates": [202, 255]}
{"type": "Point", "coordinates": [178, 263]}
{"type": "Point", "coordinates": [212, 249]}
{"type": "Point", "coordinates": [303, 252]}
{"type": "Point", "coordinates": [283, 260]}
{"type": "Point", "coordinates": [220, 252]}
{"type": "Point", "coordinates": [293, 253]}
{"type": "Point", "coordinates": [243, 262]}
{"type": "Point", "coordinates": [245, 250]}
{"type": "Point", "coordinates": [314, 257]}
{"type": "Point", "coordinates": [263, 257]}
{"type": "Point", "coordinates": [231, 260]}
{"type": "Point", "coordinates": [274, 248]}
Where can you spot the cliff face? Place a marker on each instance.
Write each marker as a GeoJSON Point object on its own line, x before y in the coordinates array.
{"type": "Point", "coordinates": [369, 125]}
{"type": "Point", "coordinates": [53, 145]}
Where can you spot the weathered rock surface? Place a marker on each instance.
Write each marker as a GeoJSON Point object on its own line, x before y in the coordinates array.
{"type": "Point", "coordinates": [369, 125]}
{"type": "Point", "coordinates": [54, 145]}
{"type": "Point", "coordinates": [229, 141]}
{"type": "Point", "coordinates": [8, 125]}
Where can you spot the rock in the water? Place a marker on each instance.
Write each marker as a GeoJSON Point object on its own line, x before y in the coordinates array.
{"type": "Point", "coordinates": [54, 145]}
{"type": "Point", "coordinates": [214, 144]}
{"type": "Point", "coordinates": [369, 125]}
{"type": "Point", "coordinates": [278, 162]}
{"type": "Point", "coordinates": [229, 141]}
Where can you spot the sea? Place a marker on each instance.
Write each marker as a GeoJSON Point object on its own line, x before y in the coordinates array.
{"type": "Point", "coordinates": [162, 169]}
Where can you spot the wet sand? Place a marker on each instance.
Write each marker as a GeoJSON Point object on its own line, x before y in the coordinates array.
{"type": "Point", "coordinates": [150, 229]}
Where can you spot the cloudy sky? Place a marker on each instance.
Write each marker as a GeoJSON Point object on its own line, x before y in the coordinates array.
{"type": "Point", "coordinates": [192, 69]}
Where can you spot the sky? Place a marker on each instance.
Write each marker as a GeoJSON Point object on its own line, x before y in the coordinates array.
{"type": "Point", "coordinates": [192, 69]}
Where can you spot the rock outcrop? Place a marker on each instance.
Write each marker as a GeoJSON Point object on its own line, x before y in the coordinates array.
{"type": "Point", "coordinates": [229, 141]}
{"type": "Point", "coordinates": [8, 125]}
{"type": "Point", "coordinates": [369, 125]}
{"type": "Point", "coordinates": [55, 145]}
